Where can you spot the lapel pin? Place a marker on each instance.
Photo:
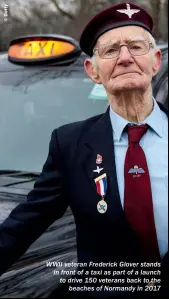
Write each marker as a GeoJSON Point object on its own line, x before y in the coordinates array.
{"type": "Point", "coordinates": [99, 159]}
{"type": "Point", "coordinates": [98, 170]}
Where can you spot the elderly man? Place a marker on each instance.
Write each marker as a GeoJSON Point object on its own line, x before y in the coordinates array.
{"type": "Point", "coordinates": [111, 169]}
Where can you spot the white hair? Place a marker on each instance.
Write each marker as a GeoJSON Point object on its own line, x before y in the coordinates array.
{"type": "Point", "coordinates": [93, 61]}
{"type": "Point", "coordinates": [153, 41]}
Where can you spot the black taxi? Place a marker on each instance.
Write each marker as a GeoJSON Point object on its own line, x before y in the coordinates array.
{"type": "Point", "coordinates": [43, 85]}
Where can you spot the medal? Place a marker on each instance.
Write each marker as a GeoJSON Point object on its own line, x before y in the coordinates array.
{"type": "Point", "coordinates": [102, 206]}
{"type": "Point", "coordinates": [101, 185]}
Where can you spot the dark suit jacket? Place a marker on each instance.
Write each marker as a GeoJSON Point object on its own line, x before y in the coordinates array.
{"type": "Point", "coordinates": [67, 178]}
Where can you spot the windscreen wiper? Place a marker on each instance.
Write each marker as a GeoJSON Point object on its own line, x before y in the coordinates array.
{"type": "Point", "coordinates": [19, 173]}
{"type": "Point", "coordinates": [8, 171]}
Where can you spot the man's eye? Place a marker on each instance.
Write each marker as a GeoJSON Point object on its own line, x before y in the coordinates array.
{"type": "Point", "coordinates": [111, 50]}
{"type": "Point", "coordinates": [135, 47]}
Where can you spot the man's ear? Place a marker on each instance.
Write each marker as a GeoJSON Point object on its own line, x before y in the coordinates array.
{"type": "Point", "coordinates": [157, 62]}
{"type": "Point", "coordinates": [91, 70]}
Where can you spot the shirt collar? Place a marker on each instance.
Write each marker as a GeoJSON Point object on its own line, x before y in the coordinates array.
{"type": "Point", "coordinates": [154, 120]}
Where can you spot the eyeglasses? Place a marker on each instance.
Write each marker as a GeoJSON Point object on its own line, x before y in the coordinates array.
{"type": "Point", "coordinates": [112, 50]}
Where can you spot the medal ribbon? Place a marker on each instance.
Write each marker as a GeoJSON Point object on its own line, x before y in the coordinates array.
{"type": "Point", "coordinates": [101, 185]}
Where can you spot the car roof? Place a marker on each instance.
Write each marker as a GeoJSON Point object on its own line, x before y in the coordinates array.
{"type": "Point", "coordinates": [6, 65]}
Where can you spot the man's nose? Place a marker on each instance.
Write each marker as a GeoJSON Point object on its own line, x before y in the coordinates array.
{"type": "Point", "coordinates": [125, 56]}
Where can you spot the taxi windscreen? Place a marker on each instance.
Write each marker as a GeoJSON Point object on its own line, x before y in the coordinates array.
{"type": "Point", "coordinates": [35, 102]}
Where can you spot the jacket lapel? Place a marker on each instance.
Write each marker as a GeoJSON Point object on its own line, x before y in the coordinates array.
{"type": "Point", "coordinates": [100, 141]}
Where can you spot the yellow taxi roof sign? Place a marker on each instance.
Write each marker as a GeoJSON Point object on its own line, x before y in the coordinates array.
{"type": "Point", "coordinates": [43, 49]}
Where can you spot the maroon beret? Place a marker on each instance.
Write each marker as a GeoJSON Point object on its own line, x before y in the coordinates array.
{"type": "Point", "coordinates": [119, 15]}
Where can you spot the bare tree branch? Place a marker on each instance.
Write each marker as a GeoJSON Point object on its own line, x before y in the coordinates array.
{"type": "Point", "coordinates": [63, 12]}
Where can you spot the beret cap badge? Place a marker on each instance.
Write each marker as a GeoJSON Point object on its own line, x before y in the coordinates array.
{"type": "Point", "coordinates": [128, 11]}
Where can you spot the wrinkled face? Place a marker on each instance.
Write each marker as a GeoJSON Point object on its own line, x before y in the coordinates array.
{"type": "Point", "coordinates": [126, 71]}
